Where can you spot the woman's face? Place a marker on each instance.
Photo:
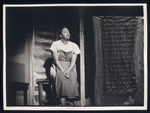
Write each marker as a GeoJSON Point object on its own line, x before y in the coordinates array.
{"type": "Point", "coordinates": [65, 33]}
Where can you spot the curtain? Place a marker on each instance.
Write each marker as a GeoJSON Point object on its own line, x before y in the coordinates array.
{"type": "Point", "coordinates": [97, 23]}
{"type": "Point", "coordinates": [117, 55]}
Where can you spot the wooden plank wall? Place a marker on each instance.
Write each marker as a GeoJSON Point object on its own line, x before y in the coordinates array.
{"type": "Point", "coordinates": [41, 53]}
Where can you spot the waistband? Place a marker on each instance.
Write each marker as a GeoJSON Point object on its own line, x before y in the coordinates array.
{"type": "Point", "coordinates": [64, 61]}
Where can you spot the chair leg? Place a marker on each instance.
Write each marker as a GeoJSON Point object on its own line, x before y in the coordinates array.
{"type": "Point", "coordinates": [40, 87]}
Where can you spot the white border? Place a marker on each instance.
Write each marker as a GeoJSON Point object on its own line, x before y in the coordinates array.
{"type": "Point", "coordinates": [4, 58]}
{"type": "Point", "coordinates": [76, 108]}
{"type": "Point", "coordinates": [52, 5]}
{"type": "Point", "coordinates": [145, 57]}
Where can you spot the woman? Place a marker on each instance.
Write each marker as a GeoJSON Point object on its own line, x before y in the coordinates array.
{"type": "Point", "coordinates": [65, 53]}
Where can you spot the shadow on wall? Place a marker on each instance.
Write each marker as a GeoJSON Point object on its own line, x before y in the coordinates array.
{"type": "Point", "coordinates": [42, 56]}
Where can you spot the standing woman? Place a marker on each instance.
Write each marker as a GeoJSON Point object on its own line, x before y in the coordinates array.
{"type": "Point", "coordinates": [65, 53]}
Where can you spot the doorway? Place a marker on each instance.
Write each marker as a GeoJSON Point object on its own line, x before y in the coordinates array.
{"type": "Point", "coordinates": [47, 22]}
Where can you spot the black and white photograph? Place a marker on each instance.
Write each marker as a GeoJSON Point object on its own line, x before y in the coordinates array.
{"type": "Point", "coordinates": [75, 56]}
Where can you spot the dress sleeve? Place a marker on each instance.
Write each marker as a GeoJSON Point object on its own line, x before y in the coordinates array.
{"type": "Point", "coordinates": [53, 47]}
{"type": "Point", "coordinates": [76, 49]}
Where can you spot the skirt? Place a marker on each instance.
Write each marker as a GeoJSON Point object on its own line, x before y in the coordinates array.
{"type": "Point", "coordinates": [66, 87]}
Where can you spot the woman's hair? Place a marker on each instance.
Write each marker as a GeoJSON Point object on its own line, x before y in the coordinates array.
{"type": "Point", "coordinates": [60, 30]}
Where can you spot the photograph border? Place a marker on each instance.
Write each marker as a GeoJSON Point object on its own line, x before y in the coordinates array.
{"type": "Point", "coordinates": [82, 108]}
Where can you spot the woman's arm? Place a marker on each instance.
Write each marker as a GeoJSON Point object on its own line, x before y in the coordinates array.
{"type": "Point", "coordinates": [55, 57]}
{"type": "Point", "coordinates": [73, 61]}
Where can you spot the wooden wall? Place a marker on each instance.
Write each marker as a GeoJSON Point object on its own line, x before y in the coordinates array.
{"type": "Point", "coordinates": [41, 55]}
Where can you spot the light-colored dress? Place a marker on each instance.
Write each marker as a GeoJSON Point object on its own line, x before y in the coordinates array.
{"type": "Point", "coordinates": [66, 87]}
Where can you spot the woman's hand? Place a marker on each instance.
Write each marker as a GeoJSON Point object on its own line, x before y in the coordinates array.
{"type": "Point", "coordinates": [66, 74]}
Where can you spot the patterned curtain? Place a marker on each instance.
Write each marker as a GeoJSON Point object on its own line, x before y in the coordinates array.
{"type": "Point", "coordinates": [115, 38]}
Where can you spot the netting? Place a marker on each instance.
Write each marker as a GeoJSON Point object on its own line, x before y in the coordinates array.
{"type": "Point", "coordinates": [118, 46]}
